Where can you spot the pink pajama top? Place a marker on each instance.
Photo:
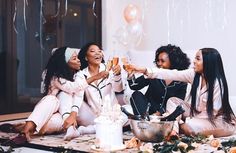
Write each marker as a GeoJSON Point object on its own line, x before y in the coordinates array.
{"type": "Point", "coordinates": [75, 88]}
{"type": "Point", "coordinates": [188, 76]}
{"type": "Point", "coordinates": [104, 89]}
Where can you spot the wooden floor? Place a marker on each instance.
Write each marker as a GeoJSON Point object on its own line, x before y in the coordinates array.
{"type": "Point", "coordinates": [14, 116]}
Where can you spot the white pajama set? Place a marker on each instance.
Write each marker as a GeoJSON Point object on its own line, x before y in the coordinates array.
{"type": "Point", "coordinates": [199, 123]}
{"type": "Point", "coordinates": [95, 94]}
{"type": "Point", "coordinates": [50, 112]}
{"type": "Point", "coordinates": [47, 114]}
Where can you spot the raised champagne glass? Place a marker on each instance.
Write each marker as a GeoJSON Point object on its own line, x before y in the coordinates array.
{"type": "Point", "coordinates": [109, 64]}
{"type": "Point", "coordinates": [128, 68]}
{"type": "Point", "coordinates": [115, 60]}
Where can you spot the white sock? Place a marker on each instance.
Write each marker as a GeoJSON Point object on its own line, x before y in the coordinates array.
{"type": "Point", "coordinates": [87, 130]}
{"type": "Point", "coordinates": [71, 133]}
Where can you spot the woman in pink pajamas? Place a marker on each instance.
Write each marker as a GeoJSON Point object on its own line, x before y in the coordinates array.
{"type": "Point", "coordinates": [97, 92]}
{"type": "Point", "coordinates": [207, 110]}
{"type": "Point", "coordinates": [60, 76]}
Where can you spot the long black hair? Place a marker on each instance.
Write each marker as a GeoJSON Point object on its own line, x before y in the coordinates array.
{"type": "Point", "coordinates": [57, 67]}
{"type": "Point", "coordinates": [178, 59]}
{"type": "Point", "coordinates": [83, 53]}
{"type": "Point", "coordinates": [213, 70]}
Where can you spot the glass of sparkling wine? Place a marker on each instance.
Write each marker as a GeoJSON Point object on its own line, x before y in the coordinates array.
{"type": "Point", "coordinates": [115, 60]}
{"type": "Point", "coordinates": [128, 68]}
{"type": "Point", "coordinates": [109, 64]}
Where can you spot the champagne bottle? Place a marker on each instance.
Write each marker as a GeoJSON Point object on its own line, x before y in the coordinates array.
{"type": "Point", "coordinates": [131, 116]}
{"type": "Point", "coordinates": [146, 114]}
{"type": "Point", "coordinates": [172, 117]}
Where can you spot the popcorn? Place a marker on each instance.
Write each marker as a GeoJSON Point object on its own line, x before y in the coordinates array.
{"type": "Point", "coordinates": [147, 147]}
{"type": "Point", "coordinates": [183, 145]}
{"type": "Point", "coordinates": [195, 144]}
{"type": "Point", "coordinates": [215, 143]}
{"type": "Point", "coordinates": [132, 143]}
{"type": "Point", "coordinates": [211, 137]}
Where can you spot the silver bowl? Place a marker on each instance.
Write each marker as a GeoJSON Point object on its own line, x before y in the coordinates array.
{"type": "Point", "coordinates": [151, 131]}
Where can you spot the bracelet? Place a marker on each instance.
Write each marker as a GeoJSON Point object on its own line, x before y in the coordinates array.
{"type": "Point", "coordinates": [75, 106]}
{"type": "Point", "coordinates": [117, 74]}
{"type": "Point", "coordinates": [65, 114]}
{"type": "Point", "coordinates": [118, 80]}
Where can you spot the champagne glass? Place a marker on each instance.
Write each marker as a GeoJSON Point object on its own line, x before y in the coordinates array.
{"type": "Point", "coordinates": [109, 64]}
{"type": "Point", "coordinates": [128, 68]}
{"type": "Point", "coordinates": [115, 60]}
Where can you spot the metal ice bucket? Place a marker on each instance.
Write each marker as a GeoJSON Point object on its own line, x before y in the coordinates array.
{"type": "Point", "coordinates": [151, 131]}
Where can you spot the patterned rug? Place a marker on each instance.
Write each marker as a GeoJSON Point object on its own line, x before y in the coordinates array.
{"type": "Point", "coordinates": [85, 143]}
{"type": "Point", "coordinates": [56, 143]}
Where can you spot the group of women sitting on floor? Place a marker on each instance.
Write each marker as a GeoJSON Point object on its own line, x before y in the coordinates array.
{"type": "Point", "coordinates": [75, 83]}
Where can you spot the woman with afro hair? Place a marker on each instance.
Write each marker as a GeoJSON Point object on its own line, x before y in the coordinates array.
{"type": "Point", "coordinates": [207, 109]}
{"type": "Point", "coordinates": [159, 90]}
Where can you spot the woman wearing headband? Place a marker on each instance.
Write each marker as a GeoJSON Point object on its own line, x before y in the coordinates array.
{"type": "Point", "coordinates": [59, 77]}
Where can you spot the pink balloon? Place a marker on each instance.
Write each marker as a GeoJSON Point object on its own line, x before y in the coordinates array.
{"type": "Point", "coordinates": [131, 13]}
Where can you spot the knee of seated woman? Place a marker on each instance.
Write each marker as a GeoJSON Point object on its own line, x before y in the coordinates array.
{"type": "Point", "coordinates": [186, 129]}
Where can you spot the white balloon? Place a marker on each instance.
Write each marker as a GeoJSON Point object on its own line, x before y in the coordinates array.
{"type": "Point", "coordinates": [135, 32]}
{"type": "Point", "coordinates": [122, 36]}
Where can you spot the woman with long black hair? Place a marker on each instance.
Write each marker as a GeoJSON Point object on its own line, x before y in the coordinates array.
{"type": "Point", "coordinates": [60, 81]}
{"type": "Point", "coordinates": [207, 110]}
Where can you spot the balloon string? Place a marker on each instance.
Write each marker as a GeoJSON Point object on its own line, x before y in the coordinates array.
{"type": "Point", "coordinates": [58, 8]}
{"type": "Point", "coordinates": [25, 3]}
{"type": "Point", "coordinates": [94, 12]}
{"type": "Point", "coordinates": [41, 24]}
{"type": "Point", "coordinates": [66, 6]}
{"type": "Point", "coordinates": [224, 17]}
{"type": "Point", "coordinates": [14, 19]}
{"type": "Point", "coordinates": [142, 22]}
{"type": "Point", "coordinates": [168, 22]}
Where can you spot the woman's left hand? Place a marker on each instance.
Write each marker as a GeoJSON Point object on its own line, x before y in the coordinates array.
{"type": "Point", "coordinates": [70, 121]}
{"type": "Point", "coordinates": [116, 70]}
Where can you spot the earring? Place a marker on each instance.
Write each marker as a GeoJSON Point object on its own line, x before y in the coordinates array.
{"type": "Point", "coordinates": [86, 59]}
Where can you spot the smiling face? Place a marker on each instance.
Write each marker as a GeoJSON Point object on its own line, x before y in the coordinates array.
{"type": "Point", "coordinates": [198, 62]}
{"type": "Point", "coordinates": [74, 62]}
{"type": "Point", "coordinates": [94, 55]}
{"type": "Point", "coordinates": [163, 61]}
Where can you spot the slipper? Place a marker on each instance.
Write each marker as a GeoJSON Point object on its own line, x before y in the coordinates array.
{"type": "Point", "coordinates": [8, 128]}
{"type": "Point", "coordinates": [19, 140]}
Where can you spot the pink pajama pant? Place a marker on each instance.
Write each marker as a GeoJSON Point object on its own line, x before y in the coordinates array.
{"type": "Point", "coordinates": [85, 116]}
{"type": "Point", "coordinates": [47, 114]}
{"type": "Point", "coordinates": [197, 124]}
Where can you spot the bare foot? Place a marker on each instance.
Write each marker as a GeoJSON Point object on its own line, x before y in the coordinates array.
{"type": "Point", "coordinates": [71, 133]}
{"type": "Point", "coordinates": [19, 127]}
{"type": "Point", "coordinates": [29, 129]}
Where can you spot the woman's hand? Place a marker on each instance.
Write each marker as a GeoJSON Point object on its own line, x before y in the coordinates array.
{"type": "Point", "coordinates": [157, 113]}
{"type": "Point", "coordinates": [100, 75]}
{"type": "Point", "coordinates": [139, 69]}
{"type": "Point", "coordinates": [116, 70]}
{"type": "Point", "coordinates": [70, 121]}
